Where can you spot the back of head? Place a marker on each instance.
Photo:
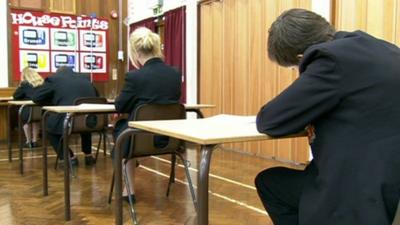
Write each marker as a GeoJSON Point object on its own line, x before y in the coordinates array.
{"type": "Point", "coordinates": [69, 85]}
{"type": "Point", "coordinates": [31, 76]}
{"type": "Point", "coordinates": [64, 70]}
{"type": "Point", "coordinates": [144, 42]}
{"type": "Point", "coordinates": [293, 32]}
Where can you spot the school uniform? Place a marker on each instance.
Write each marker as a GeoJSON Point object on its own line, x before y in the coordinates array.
{"type": "Point", "coordinates": [155, 82]}
{"type": "Point", "coordinates": [63, 88]}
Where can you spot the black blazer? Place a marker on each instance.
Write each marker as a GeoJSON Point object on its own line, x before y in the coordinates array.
{"type": "Point", "coordinates": [62, 88]}
{"type": "Point", "coordinates": [24, 92]}
{"type": "Point", "coordinates": [155, 82]}
{"type": "Point", "coordinates": [348, 89]}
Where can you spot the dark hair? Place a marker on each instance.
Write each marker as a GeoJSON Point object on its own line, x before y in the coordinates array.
{"type": "Point", "coordinates": [293, 32]}
{"type": "Point", "coordinates": [63, 69]}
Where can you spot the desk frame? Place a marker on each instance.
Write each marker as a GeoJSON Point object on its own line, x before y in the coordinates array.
{"type": "Point", "coordinates": [21, 153]}
{"type": "Point", "coordinates": [67, 159]}
{"type": "Point", "coordinates": [207, 145]}
{"type": "Point", "coordinates": [118, 173]}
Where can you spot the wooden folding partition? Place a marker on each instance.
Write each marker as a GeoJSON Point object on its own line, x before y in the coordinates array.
{"type": "Point", "coordinates": [234, 71]}
{"type": "Point", "coordinates": [380, 18]}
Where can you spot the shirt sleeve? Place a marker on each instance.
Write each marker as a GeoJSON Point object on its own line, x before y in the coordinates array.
{"type": "Point", "coordinates": [314, 93]}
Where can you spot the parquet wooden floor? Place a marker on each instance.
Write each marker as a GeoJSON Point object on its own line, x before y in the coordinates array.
{"type": "Point", "coordinates": [233, 199]}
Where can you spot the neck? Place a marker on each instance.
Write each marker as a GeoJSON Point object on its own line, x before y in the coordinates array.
{"type": "Point", "coordinates": [144, 59]}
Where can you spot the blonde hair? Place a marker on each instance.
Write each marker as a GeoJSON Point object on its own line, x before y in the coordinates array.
{"type": "Point", "coordinates": [31, 76]}
{"type": "Point", "coordinates": [144, 41]}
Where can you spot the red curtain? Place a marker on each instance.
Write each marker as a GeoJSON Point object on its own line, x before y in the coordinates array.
{"type": "Point", "coordinates": [149, 23]}
{"type": "Point", "coordinates": [175, 43]}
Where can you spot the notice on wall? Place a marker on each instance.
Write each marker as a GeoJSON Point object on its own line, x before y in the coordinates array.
{"type": "Point", "coordinates": [48, 41]}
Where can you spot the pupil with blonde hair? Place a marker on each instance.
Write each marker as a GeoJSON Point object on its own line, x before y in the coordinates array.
{"type": "Point", "coordinates": [152, 82]}
{"type": "Point", "coordinates": [30, 81]}
{"type": "Point", "coordinates": [143, 44]}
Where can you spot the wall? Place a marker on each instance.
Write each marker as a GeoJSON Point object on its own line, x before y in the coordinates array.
{"type": "Point", "coordinates": [142, 9]}
{"type": "Point", "coordinates": [323, 8]}
{"type": "Point", "coordinates": [138, 10]}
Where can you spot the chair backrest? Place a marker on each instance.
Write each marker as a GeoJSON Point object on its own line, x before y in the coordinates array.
{"type": "Point", "coordinates": [82, 123]}
{"type": "Point", "coordinates": [150, 144]}
{"type": "Point", "coordinates": [35, 114]}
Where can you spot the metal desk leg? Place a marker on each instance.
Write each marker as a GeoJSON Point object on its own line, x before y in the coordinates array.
{"type": "Point", "coordinates": [67, 200]}
{"type": "Point", "coordinates": [118, 179]}
{"type": "Point", "coordinates": [21, 153]}
{"type": "Point", "coordinates": [9, 133]}
{"type": "Point", "coordinates": [44, 160]}
{"type": "Point", "coordinates": [202, 191]}
{"type": "Point", "coordinates": [118, 173]}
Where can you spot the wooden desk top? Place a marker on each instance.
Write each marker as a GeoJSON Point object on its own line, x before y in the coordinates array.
{"type": "Point", "coordinates": [198, 106]}
{"type": "Point", "coordinates": [212, 130]}
{"type": "Point", "coordinates": [21, 102]}
{"type": "Point", "coordinates": [187, 106]}
{"type": "Point", "coordinates": [82, 108]}
{"type": "Point", "coordinates": [3, 99]}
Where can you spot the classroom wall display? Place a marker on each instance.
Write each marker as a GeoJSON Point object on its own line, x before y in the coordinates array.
{"type": "Point", "coordinates": [93, 62]}
{"type": "Point", "coordinates": [33, 38]}
{"type": "Point", "coordinates": [47, 41]}
{"type": "Point", "coordinates": [93, 41]}
{"type": "Point", "coordinates": [36, 59]}
{"type": "Point", "coordinates": [64, 39]}
{"type": "Point", "coordinates": [60, 59]}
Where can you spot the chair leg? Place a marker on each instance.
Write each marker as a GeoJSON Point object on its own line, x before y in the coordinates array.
{"type": "Point", "coordinates": [111, 188]}
{"type": "Point", "coordinates": [186, 165]}
{"type": "Point", "coordinates": [105, 143]}
{"type": "Point", "coordinates": [72, 170]}
{"type": "Point", "coordinates": [127, 186]}
{"type": "Point", "coordinates": [128, 189]}
{"type": "Point", "coordinates": [56, 164]}
{"type": "Point", "coordinates": [58, 151]}
{"type": "Point", "coordinates": [98, 147]}
{"type": "Point", "coordinates": [172, 175]}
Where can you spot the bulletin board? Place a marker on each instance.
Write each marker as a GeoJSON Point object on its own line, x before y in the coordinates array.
{"type": "Point", "coordinates": [47, 41]}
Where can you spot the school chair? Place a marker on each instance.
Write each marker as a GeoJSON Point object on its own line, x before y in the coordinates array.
{"type": "Point", "coordinates": [144, 144]}
{"type": "Point", "coordinates": [89, 123]}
